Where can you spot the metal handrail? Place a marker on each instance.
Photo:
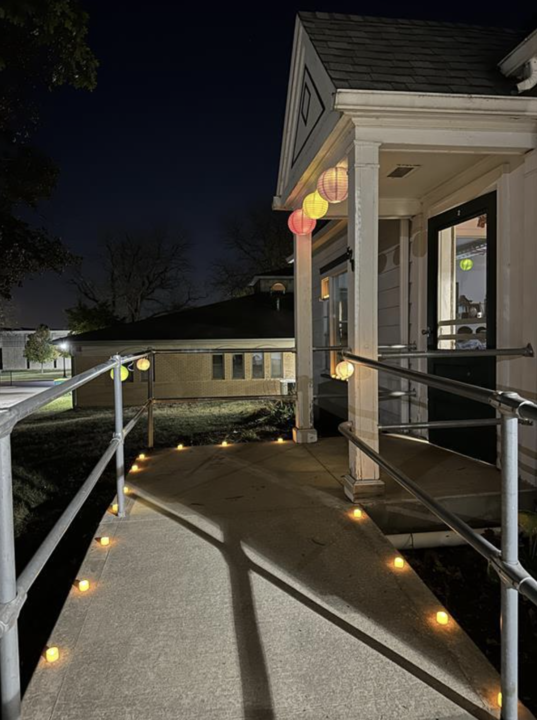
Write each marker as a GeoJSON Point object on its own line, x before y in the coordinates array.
{"type": "Point", "coordinates": [497, 398]}
{"type": "Point", "coordinates": [526, 351]}
{"type": "Point", "coordinates": [518, 577]}
{"type": "Point", "coordinates": [514, 578]}
{"type": "Point", "coordinates": [13, 591]}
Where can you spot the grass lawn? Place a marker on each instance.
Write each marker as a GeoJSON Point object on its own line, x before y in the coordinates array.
{"type": "Point", "coordinates": [8, 376]}
{"type": "Point", "coordinates": [54, 451]}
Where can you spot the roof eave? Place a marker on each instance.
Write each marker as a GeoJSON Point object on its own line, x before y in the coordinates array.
{"type": "Point", "coordinates": [392, 102]}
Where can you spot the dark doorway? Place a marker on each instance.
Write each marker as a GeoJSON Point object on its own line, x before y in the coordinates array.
{"type": "Point", "coordinates": [461, 314]}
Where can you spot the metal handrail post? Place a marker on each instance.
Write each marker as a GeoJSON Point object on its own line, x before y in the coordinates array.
{"type": "Point", "coordinates": [509, 546]}
{"type": "Point", "coordinates": [118, 433]}
{"type": "Point", "coordinates": [150, 407]}
{"type": "Point", "coordinates": [10, 684]}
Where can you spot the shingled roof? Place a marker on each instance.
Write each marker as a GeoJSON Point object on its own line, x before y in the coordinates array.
{"type": "Point", "coordinates": [374, 53]}
{"type": "Point", "coordinates": [248, 317]}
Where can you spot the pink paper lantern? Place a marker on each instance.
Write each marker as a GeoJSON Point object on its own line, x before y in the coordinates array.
{"type": "Point", "coordinates": [300, 224]}
{"type": "Point", "coordinates": [333, 185]}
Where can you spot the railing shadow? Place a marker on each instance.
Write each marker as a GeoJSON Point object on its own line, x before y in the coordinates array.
{"type": "Point", "coordinates": [254, 674]}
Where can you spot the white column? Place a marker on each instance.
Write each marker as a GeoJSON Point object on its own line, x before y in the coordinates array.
{"type": "Point", "coordinates": [303, 432]}
{"type": "Point", "coordinates": [363, 479]}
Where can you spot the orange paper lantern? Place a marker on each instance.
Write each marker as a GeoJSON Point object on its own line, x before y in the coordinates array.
{"type": "Point", "coordinates": [300, 224]}
{"type": "Point", "coordinates": [333, 185]}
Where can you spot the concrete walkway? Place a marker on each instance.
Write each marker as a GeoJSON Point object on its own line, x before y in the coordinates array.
{"type": "Point", "coordinates": [249, 592]}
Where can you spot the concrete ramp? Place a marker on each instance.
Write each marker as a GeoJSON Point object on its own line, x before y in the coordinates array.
{"type": "Point", "coordinates": [243, 588]}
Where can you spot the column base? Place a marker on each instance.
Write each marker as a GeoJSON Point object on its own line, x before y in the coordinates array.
{"type": "Point", "coordinates": [356, 490]}
{"type": "Point", "coordinates": [304, 435]}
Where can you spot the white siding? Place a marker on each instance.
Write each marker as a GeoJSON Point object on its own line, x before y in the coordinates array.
{"type": "Point", "coordinates": [389, 269]}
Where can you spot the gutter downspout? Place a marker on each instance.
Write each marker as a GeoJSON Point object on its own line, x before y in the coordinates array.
{"type": "Point", "coordinates": [530, 71]}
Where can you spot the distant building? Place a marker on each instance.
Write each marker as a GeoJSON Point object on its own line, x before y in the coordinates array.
{"type": "Point", "coordinates": [251, 325]}
{"type": "Point", "coordinates": [13, 343]}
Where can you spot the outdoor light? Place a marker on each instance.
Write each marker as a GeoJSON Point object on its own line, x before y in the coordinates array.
{"type": "Point", "coordinates": [300, 224]}
{"type": "Point", "coordinates": [143, 364]}
{"type": "Point", "coordinates": [499, 699]}
{"type": "Point", "coordinates": [315, 206]}
{"type": "Point", "coordinates": [126, 489]}
{"type": "Point", "coordinates": [399, 562]}
{"type": "Point", "coordinates": [52, 654]}
{"type": "Point", "coordinates": [357, 513]}
{"type": "Point", "coordinates": [124, 373]}
{"type": "Point", "coordinates": [279, 440]}
{"type": "Point", "coordinates": [115, 508]}
{"type": "Point", "coordinates": [333, 185]}
{"type": "Point", "coordinates": [83, 585]}
{"type": "Point", "coordinates": [141, 456]}
{"type": "Point", "coordinates": [442, 618]}
{"type": "Point", "coordinates": [180, 446]}
{"type": "Point", "coordinates": [466, 264]}
{"type": "Point", "coordinates": [344, 370]}
{"type": "Point", "coordinates": [104, 540]}
{"type": "Point", "coordinates": [135, 468]}
{"type": "Point", "coordinates": [224, 443]}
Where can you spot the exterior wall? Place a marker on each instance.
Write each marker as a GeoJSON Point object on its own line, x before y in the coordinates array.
{"type": "Point", "coordinates": [182, 376]}
{"type": "Point", "coordinates": [515, 182]}
{"type": "Point", "coordinates": [389, 313]}
{"type": "Point", "coordinates": [389, 269]}
{"type": "Point", "coordinates": [12, 344]}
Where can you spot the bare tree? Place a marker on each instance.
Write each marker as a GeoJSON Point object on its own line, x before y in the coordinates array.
{"type": "Point", "coordinates": [143, 274]}
{"type": "Point", "coordinates": [256, 242]}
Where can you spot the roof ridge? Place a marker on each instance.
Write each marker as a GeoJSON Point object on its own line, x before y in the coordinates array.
{"type": "Point", "coordinates": [351, 17]}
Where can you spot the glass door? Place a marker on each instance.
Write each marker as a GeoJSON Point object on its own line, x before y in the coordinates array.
{"type": "Point", "coordinates": [461, 299]}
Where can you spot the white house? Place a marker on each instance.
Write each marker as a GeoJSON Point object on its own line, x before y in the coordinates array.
{"type": "Point", "coordinates": [436, 245]}
{"type": "Point", "coordinates": [12, 346]}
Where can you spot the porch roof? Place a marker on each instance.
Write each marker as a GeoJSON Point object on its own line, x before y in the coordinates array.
{"type": "Point", "coordinates": [375, 53]}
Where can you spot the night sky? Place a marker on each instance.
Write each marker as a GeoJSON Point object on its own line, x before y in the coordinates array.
{"type": "Point", "coordinates": [185, 124]}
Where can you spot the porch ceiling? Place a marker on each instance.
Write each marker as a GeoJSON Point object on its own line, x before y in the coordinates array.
{"type": "Point", "coordinates": [429, 172]}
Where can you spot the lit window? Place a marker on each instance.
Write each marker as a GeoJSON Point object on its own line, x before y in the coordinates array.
{"type": "Point", "coordinates": [325, 288]}
{"type": "Point", "coordinates": [238, 367]}
{"type": "Point", "coordinates": [278, 287]}
{"type": "Point", "coordinates": [258, 366]}
{"type": "Point", "coordinates": [276, 365]}
{"type": "Point", "coordinates": [218, 367]}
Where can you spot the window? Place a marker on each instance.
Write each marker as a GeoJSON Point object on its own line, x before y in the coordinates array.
{"type": "Point", "coordinates": [218, 367]}
{"type": "Point", "coordinates": [462, 286]}
{"type": "Point", "coordinates": [338, 318]}
{"type": "Point", "coordinates": [238, 367]}
{"type": "Point", "coordinates": [276, 365]}
{"type": "Point", "coordinates": [325, 288]}
{"type": "Point", "coordinates": [258, 366]}
{"type": "Point", "coordinates": [340, 310]}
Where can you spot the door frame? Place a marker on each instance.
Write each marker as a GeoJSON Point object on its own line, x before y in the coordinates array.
{"type": "Point", "coordinates": [476, 442]}
{"type": "Point", "coordinates": [485, 204]}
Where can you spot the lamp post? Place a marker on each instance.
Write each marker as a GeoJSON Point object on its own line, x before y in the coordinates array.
{"type": "Point", "coordinates": [64, 347]}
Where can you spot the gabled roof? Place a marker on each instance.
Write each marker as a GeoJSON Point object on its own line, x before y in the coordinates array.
{"type": "Point", "coordinates": [247, 317]}
{"type": "Point", "coordinates": [375, 53]}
